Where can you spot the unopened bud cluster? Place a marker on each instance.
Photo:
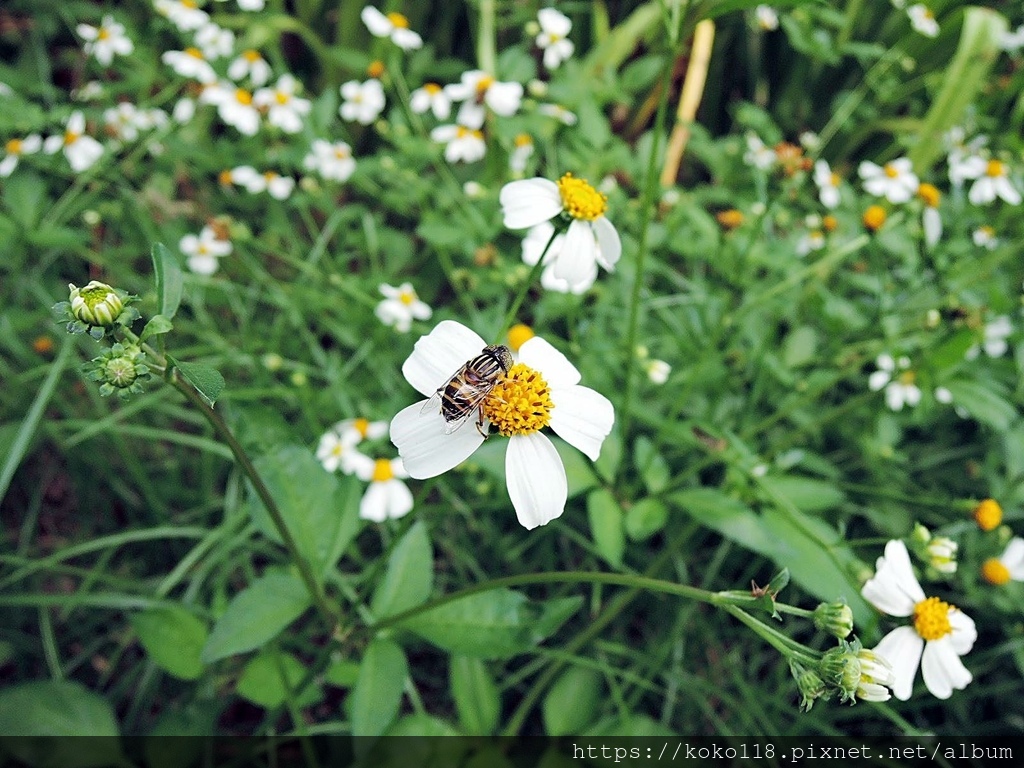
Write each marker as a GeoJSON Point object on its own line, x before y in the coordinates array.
{"type": "Point", "coordinates": [95, 309]}
{"type": "Point", "coordinates": [120, 369]}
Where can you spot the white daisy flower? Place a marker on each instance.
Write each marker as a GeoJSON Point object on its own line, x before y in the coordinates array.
{"type": "Point", "coordinates": [285, 110]}
{"type": "Point", "coordinates": [553, 38]}
{"type": "Point", "coordinates": [895, 181]}
{"type": "Point", "coordinates": [589, 238]}
{"type": "Point", "coordinates": [363, 101]}
{"type": "Point", "coordinates": [105, 41]}
{"type": "Point", "coordinates": [91, 91]}
{"type": "Point", "coordinates": [985, 237]}
{"type": "Point", "coordinates": [250, 64]}
{"type": "Point", "coordinates": [401, 306]}
{"type": "Point", "coordinates": [184, 110]}
{"type": "Point", "coordinates": [81, 151]}
{"type": "Point", "coordinates": [234, 106]}
{"type": "Point", "coordinates": [541, 390]}
{"type": "Point", "coordinates": [521, 154]}
{"type": "Point", "coordinates": [123, 121]}
{"type": "Point", "coordinates": [476, 90]}
{"type": "Point", "coordinates": [332, 161]}
{"type": "Point", "coordinates": [1008, 566]}
{"type": "Point", "coordinates": [537, 237]}
{"type": "Point", "coordinates": [359, 429]}
{"type": "Point", "coordinates": [965, 160]}
{"type": "Point", "coordinates": [15, 149]}
{"type": "Point", "coordinates": [242, 175]}
{"type": "Point", "coordinates": [202, 251]}
{"type": "Point", "coordinates": [464, 144]}
{"type": "Point", "coordinates": [758, 155]}
{"type": "Point", "coordinates": [273, 183]}
{"type": "Point", "coordinates": [190, 63]}
{"type": "Point", "coordinates": [557, 111]}
{"type": "Point", "coordinates": [186, 15]}
{"type": "Point", "coordinates": [336, 450]}
{"type": "Point", "coordinates": [1012, 42]}
{"type": "Point", "coordinates": [994, 335]}
{"type": "Point", "coordinates": [393, 26]}
{"type": "Point", "coordinates": [767, 18]}
{"type": "Point", "coordinates": [923, 20]}
{"type": "Point", "coordinates": [898, 380]}
{"type": "Point", "coordinates": [992, 181]}
{"type": "Point", "coordinates": [939, 636]}
{"type": "Point", "coordinates": [657, 371]}
{"type": "Point", "coordinates": [387, 497]}
{"type": "Point", "coordinates": [433, 97]}
{"type": "Point", "coordinates": [214, 41]}
{"type": "Point", "coordinates": [827, 182]}
{"type": "Point", "coordinates": [811, 241]}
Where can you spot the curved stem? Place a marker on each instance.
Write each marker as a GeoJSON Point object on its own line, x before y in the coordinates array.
{"type": "Point", "coordinates": [513, 309]}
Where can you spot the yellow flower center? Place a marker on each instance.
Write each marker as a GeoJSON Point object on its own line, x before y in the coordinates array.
{"type": "Point", "coordinates": [70, 137]}
{"type": "Point", "coordinates": [874, 217]}
{"type": "Point", "coordinates": [483, 84]}
{"type": "Point", "coordinates": [730, 219]}
{"type": "Point", "coordinates": [580, 200]}
{"type": "Point", "coordinates": [906, 378]}
{"type": "Point", "coordinates": [994, 572]}
{"type": "Point", "coordinates": [432, 88]}
{"type": "Point", "coordinates": [382, 471]}
{"type": "Point", "coordinates": [224, 177]}
{"type": "Point", "coordinates": [103, 34]}
{"type": "Point", "coordinates": [281, 97]}
{"type": "Point", "coordinates": [995, 169]}
{"type": "Point", "coordinates": [986, 230]}
{"type": "Point", "coordinates": [927, 13]}
{"type": "Point", "coordinates": [362, 426]}
{"type": "Point", "coordinates": [931, 618]}
{"type": "Point", "coordinates": [190, 3]}
{"type": "Point", "coordinates": [338, 449]}
{"type": "Point", "coordinates": [520, 403]}
{"type": "Point", "coordinates": [398, 20]}
{"type": "Point", "coordinates": [835, 179]}
{"type": "Point", "coordinates": [13, 147]}
{"type": "Point", "coordinates": [376, 69]}
{"type": "Point", "coordinates": [519, 335]}
{"type": "Point", "coordinates": [891, 171]}
{"type": "Point", "coordinates": [462, 132]}
{"type": "Point", "coordinates": [202, 249]}
{"type": "Point", "coordinates": [523, 140]}
{"type": "Point", "coordinates": [242, 96]}
{"type": "Point", "coordinates": [830, 223]}
{"type": "Point", "coordinates": [930, 194]}
{"type": "Point", "coordinates": [251, 56]}
{"type": "Point", "coordinates": [988, 514]}
{"type": "Point", "coordinates": [407, 297]}
{"type": "Point", "coordinates": [341, 153]}
{"type": "Point", "coordinates": [195, 53]}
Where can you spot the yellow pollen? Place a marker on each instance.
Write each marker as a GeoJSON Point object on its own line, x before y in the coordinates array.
{"type": "Point", "coordinates": [362, 426]}
{"type": "Point", "coordinates": [251, 56]}
{"type": "Point", "coordinates": [269, 175]}
{"type": "Point", "coordinates": [928, 13]}
{"type": "Point", "coordinates": [580, 200]}
{"type": "Point", "coordinates": [995, 169]}
{"type": "Point", "coordinates": [398, 20]}
{"type": "Point", "coordinates": [519, 335]}
{"type": "Point", "coordinates": [835, 179]}
{"type": "Point", "coordinates": [341, 153]}
{"type": "Point", "coordinates": [523, 140]}
{"type": "Point", "coordinates": [189, 3]}
{"type": "Point", "coordinates": [994, 572]}
{"type": "Point", "coordinates": [988, 514]}
{"type": "Point", "coordinates": [382, 471]}
{"type": "Point", "coordinates": [830, 223]}
{"type": "Point", "coordinates": [931, 618]}
{"type": "Point", "coordinates": [483, 84]}
{"type": "Point", "coordinates": [195, 53]}
{"type": "Point", "coordinates": [989, 231]}
{"type": "Point", "coordinates": [281, 97]}
{"type": "Point", "coordinates": [432, 88]}
{"type": "Point", "coordinates": [242, 96]}
{"type": "Point", "coordinates": [70, 137]}
{"type": "Point", "coordinates": [13, 147]}
{"type": "Point", "coordinates": [376, 69]}
{"type": "Point", "coordinates": [874, 217]}
{"type": "Point", "coordinates": [224, 177]}
{"type": "Point", "coordinates": [103, 34]}
{"type": "Point", "coordinates": [730, 219]}
{"type": "Point", "coordinates": [338, 449]}
{"type": "Point", "coordinates": [890, 171]}
{"type": "Point", "coordinates": [930, 194]}
{"type": "Point", "coordinates": [202, 250]}
{"type": "Point", "coordinates": [907, 378]}
{"type": "Point", "coordinates": [407, 297]}
{"type": "Point", "coordinates": [520, 403]}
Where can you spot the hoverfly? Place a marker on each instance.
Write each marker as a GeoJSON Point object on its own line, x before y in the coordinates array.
{"type": "Point", "coordinates": [467, 388]}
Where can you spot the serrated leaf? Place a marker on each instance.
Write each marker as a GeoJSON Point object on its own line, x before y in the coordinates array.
{"type": "Point", "coordinates": [572, 701]}
{"type": "Point", "coordinates": [257, 614]}
{"type": "Point", "coordinates": [157, 325]}
{"type": "Point", "coordinates": [267, 677]}
{"type": "Point", "coordinates": [606, 526]}
{"type": "Point", "coordinates": [173, 639]}
{"type": "Point", "coordinates": [377, 694]}
{"type": "Point", "coordinates": [206, 379]}
{"type": "Point", "coordinates": [409, 578]}
{"type": "Point", "coordinates": [476, 696]}
{"type": "Point", "coordinates": [168, 280]}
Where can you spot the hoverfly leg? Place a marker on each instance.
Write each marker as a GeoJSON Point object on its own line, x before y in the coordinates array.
{"type": "Point", "coordinates": [480, 424]}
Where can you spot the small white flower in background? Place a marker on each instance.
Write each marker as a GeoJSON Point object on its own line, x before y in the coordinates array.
{"type": "Point", "coordinates": [123, 121]}
{"type": "Point", "coordinates": [184, 110]}
{"type": "Point", "coordinates": [6, 90]}
{"type": "Point", "coordinates": [943, 395]}
{"type": "Point", "coordinates": [242, 175]}
{"type": "Point", "coordinates": [1008, 566]}
{"type": "Point", "coordinates": [939, 636]}
{"type": "Point", "coordinates": [985, 237]}
{"type": "Point", "coordinates": [541, 390]}
{"type": "Point", "coordinates": [992, 181]}
{"type": "Point", "coordinates": [475, 90]}
{"type": "Point", "coordinates": [190, 63]}
{"type": "Point", "coordinates": [767, 18]}
{"type": "Point", "coordinates": [553, 38]}
{"type": "Point", "coordinates": [252, 5]}
{"type": "Point", "coordinates": [332, 161]}
{"type": "Point", "coordinates": [558, 112]}
{"type": "Point", "coordinates": [183, 14]}
{"type": "Point", "coordinates": [285, 109]}
{"type": "Point", "coordinates": [590, 238]}
{"type": "Point", "coordinates": [923, 20]}
{"type": "Point", "coordinates": [895, 181]}
{"type": "Point", "coordinates": [359, 429]}
{"type": "Point", "coordinates": [250, 64]}
{"type": "Point", "coordinates": [810, 141]}
{"type": "Point", "coordinates": [387, 498]}
{"type": "Point", "coordinates": [234, 106]}
{"type": "Point", "coordinates": [204, 250]}
{"type": "Point", "coordinates": [811, 241]}
{"type": "Point", "coordinates": [657, 371]}
{"type": "Point", "coordinates": [393, 25]}
{"type": "Point", "coordinates": [759, 155]}
{"type": "Point", "coordinates": [965, 160]}
{"type": "Point", "coordinates": [1012, 42]}
{"type": "Point", "coordinates": [91, 91]}
{"type": "Point", "coordinates": [363, 101]}
{"type": "Point", "coordinates": [214, 41]}
{"type": "Point", "coordinates": [105, 41]}
{"type": "Point", "coordinates": [899, 5]}
{"type": "Point", "coordinates": [931, 220]}
{"type": "Point", "coordinates": [15, 149]}
{"type": "Point", "coordinates": [521, 154]}
{"type": "Point", "coordinates": [81, 151]}
{"type": "Point", "coordinates": [996, 332]}
{"type": "Point", "coordinates": [433, 97]}
{"type": "Point", "coordinates": [337, 451]}
{"type": "Point", "coordinates": [273, 183]}
{"type": "Point", "coordinates": [895, 376]}
{"type": "Point", "coordinates": [401, 306]}
{"type": "Point", "coordinates": [827, 182]}
{"type": "Point", "coordinates": [536, 239]}
{"type": "Point", "coordinates": [464, 144]}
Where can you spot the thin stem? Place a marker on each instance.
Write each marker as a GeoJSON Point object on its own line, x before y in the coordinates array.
{"type": "Point", "coordinates": [774, 638]}
{"type": "Point", "coordinates": [524, 289]}
{"type": "Point", "coordinates": [485, 44]}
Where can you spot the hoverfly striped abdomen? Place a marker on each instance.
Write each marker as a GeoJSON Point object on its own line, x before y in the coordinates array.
{"type": "Point", "coordinates": [469, 386]}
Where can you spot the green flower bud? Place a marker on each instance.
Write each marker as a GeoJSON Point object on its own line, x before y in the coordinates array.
{"type": "Point", "coordinates": [120, 369]}
{"type": "Point", "coordinates": [809, 683]}
{"type": "Point", "coordinates": [834, 618]}
{"type": "Point", "coordinates": [857, 673]}
{"type": "Point", "coordinates": [95, 304]}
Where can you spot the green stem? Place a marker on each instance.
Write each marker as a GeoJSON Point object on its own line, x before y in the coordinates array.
{"type": "Point", "coordinates": [773, 637]}
{"type": "Point", "coordinates": [485, 44]}
{"type": "Point", "coordinates": [524, 289]}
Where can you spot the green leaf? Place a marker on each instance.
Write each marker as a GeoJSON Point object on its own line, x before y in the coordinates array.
{"type": "Point", "coordinates": [606, 526]}
{"type": "Point", "coordinates": [24, 193]}
{"type": "Point", "coordinates": [342, 673]}
{"type": "Point", "coordinates": [157, 325]}
{"type": "Point", "coordinates": [645, 518]}
{"type": "Point", "coordinates": [805, 493]}
{"type": "Point", "coordinates": [173, 638]}
{"type": "Point", "coordinates": [378, 690]}
{"type": "Point", "coordinates": [730, 517]}
{"type": "Point", "coordinates": [423, 725]}
{"type": "Point", "coordinates": [196, 719]}
{"type": "Point", "coordinates": [206, 379]}
{"type": "Point", "coordinates": [256, 614]}
{"type": "Point", "coordinates": [168, 280]}
{"type": "Point", "coordinates": [410, 575]}
{"type": "Point", "coordinates": [652, 465]}
{"type": "Point", "coordinates": [572, 701]}
{"type": "Point", "coordinates": [607, 463]}
{"type": "Point", "coordinates": [267, 678]}
{"type": "Point", "coordinates": [800, 346]}
{"type": "Point", "coordinates": [632, 726]}
{"type": "Point", "coordinates": [476, 696]}
{"type": "Point", "coordinates": [983, 404]}
{"type": "Point", "coordinates": [497, 624]}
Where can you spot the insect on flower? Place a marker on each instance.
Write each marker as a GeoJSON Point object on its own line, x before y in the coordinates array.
{"type": "Point", "coordinates": [464, 393]}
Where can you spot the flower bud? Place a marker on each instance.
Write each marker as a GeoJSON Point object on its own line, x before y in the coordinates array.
{"type": "Point", "coordinates": [809, 683]}
{"type": "Point", "coordinates": [96, 304]}
{"type": "Point", "coordinates": [834, 618]}
{"type": "Point", "coordinates": [841, 669]}
{"type": "Point", "coordinates": [988, 514]}
{"type": "Point", "coordinates": [876, 676]}
{"type": "Point", "coordinates": [942, 554]}
{"type": "Point", "coordinates": [120, 369]}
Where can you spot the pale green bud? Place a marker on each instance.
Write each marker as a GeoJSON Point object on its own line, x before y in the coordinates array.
{"type": "Point", "coordinates": [96, 304]}
{"type": "Point", "coordinates": [834, 618]}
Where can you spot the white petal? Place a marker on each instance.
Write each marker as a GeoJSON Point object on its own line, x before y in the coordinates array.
{"type": "Point", "coordinates": [894, 589]}
{"type": "Point", "coordinates": [554, 22]}
{"type": "Point", "coordinates": [375, 21]}
{"type": "Point", "coordinates": [578, 254]}
{"type": "Point", "coordinates": [374, 504]}
{"type": "Point", "coordinates": [609, 246]}
{"type": "Point", "coordinates": [528, 202]}
{"type": "Point", "coordinates": [399, 498]}
{"type": "Point", "coordinates": [406, 39]}
{"type": "Point", "coordinates": [902, 649]}
{"type": "Point", "coordinates": [583, 418]}
{"type": "Point", "coordinates": [878, 379]}
{"type": "Point", "coordinates": [536, 479]}
{"type": "Point", "coordinates": [942, 669]}
{"type": "Point", "coordinates": [964, 632]}
{"type": "Point", "coordinates": [868, 170]}
{"type": "Point", "coordinates": [1013, 558]}
{"type": "Point", "coordinates": [555, 367]}
{"type": "Point", "coordinates": [423, 445]}
{"type": "Point", "coordinates": [440, 354]}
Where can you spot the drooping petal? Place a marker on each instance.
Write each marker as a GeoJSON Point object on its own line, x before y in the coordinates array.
{"type": "Point", "coordinates": [440, 354]}
{"type": "Point", "coordinates": [942, 669]}
{"type": "Point", "coordinates": [374, 504]}
{"type": "Point", "coordinates": [399, 498]}
{"type": "Point", "coordinates": [528, 202]}
{"type": "Point", "coordinates": [902, 649]}
{"type": "Point", "coordinates": [964, 632]}
{"type": "Point", "coordinates": [609, 246]}
{"type": "Point", "coordinates": [423, 445]}
{"type": "Point", "coordinates": [558, 372]}
{"type": "Point", "coordinates": [536, 479]}
{"type": "Point", "coordinates": [582, 417]}
{"type": "Point", "coordinates": [578, 254]}
{"type": "Point", "coordinates": [878, 379]}
{"type": "Point", "coordinates": [375, 21]}
{"type": "Point", "coordinates": [894, 589]}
